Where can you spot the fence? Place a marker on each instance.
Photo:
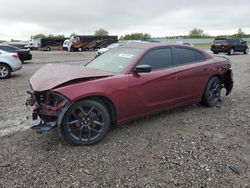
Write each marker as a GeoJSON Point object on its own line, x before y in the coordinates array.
{"type": "Point", "coordinates": [193, 41]}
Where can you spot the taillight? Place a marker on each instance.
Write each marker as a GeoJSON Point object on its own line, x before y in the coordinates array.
{"type": "Point", "coordinates": [15, 56]}
{"type": "Point", "coordinates": [225, 43]}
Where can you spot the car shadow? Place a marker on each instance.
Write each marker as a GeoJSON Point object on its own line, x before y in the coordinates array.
{"type": "Point", "coordinates": [27, 62]}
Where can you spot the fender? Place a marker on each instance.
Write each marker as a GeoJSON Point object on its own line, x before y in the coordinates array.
{"type": "Point", "coordinates": [60, 118]}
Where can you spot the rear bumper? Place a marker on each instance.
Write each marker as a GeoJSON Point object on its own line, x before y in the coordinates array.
{"type": "Point", "coordinates": [220, 49]}
{"type": "Point", "coordinates": [16, 68]}
{"type": "Point", "coordinates": [27, 57]}
{"type": "Point", "coordinates": [16, 65]}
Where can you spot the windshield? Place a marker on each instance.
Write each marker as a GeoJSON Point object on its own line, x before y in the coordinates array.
{"type": "Point", "coordinates": [219, 41]}
{"type": "Point", "coordinates": [115, 60]}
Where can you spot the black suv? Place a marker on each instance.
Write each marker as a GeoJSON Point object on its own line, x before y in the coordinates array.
{"type": "Point", "coordinates": [229, 45]}
{"type": "Point", "coordinates": [24, 55]}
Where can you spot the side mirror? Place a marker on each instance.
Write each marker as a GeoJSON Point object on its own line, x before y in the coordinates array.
{"type": "Point", "coordinates": [142, 69]}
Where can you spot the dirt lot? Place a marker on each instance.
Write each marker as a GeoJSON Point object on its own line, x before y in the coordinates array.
{"type": "Point", "coordinates": [190, 146]}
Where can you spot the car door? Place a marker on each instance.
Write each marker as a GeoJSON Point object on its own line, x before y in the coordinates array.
{"type": "Point", "coordinates": [155, 90]}
{"type": "Point", "coordinates": [242, 45]}
{"type": "Point", "coordinates": [237, 45]}
{"type": "Point", "coordinates": [191, 73]}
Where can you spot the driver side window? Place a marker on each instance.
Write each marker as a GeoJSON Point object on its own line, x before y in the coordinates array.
{"type": "Point", "coordinates": [158, 58]}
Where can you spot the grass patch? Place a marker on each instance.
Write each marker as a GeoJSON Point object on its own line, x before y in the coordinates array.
{"type": "Point", "coordinates": [203, 45]}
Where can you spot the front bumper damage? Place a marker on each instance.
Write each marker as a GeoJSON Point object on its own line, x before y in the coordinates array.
{"type": "Point", "coordinates": [49, 107]}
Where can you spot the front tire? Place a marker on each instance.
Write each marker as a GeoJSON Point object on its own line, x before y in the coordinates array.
{"type": "Point", "coordinates": [86, 122]}
{"type": "Point", "coordinates": [5, 71]}
{"type": "Point", "coordinates": [246, 51]}
{"type": "Point", "coordinates": [212, 93]}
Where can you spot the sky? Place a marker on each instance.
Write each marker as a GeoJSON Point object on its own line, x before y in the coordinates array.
{"type": "Point", "coordinates": [19, 19]}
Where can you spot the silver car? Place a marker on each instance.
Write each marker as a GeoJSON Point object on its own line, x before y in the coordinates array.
{"type": "Point", "coordinates": [9, 62]}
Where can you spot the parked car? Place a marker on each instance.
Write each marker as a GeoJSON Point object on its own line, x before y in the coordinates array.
{"type": "Point", "coordinates": [114, 45]}
{"type": "Point", "coordinates": [184, 43]}
{"type": "Point", "coordinates": [123, 84]}
{"type": "Point", "coordinates": [9, 62]}
{"type": "Point", "coordinates": [229, 45]}
{"type": "Point", "coordinates": [111, 46]}
{"type": "Point", "coordinates": [24, 54]}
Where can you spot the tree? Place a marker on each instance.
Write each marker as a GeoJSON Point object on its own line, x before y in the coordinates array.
{"type": "Point", "coordinates": [196, 33]}
{"type": "Point", "coordinates": [73, 34]}
{"type": "Point", "coordinates": [14, 40]}
{"type": "Point", "coordinates": [101, 32]}
{"type": "Point", "coordinates": [38, 36]}
{"type": "Point", "coordinates": [136, 36]}
{"type": "Point", "coordinates": [240, 34]}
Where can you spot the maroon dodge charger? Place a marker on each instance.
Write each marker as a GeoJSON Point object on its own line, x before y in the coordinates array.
{"type": "Point", "coordinates": [124, 84]}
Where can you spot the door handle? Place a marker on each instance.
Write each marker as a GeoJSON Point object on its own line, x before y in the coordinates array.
{"type": "Point", "coordinates": [205, 69]}
{"type": "Point", "coordinates": [174, 77]}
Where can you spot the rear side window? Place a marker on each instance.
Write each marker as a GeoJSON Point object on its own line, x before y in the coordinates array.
{"type": "Point", "coordinates": [234, 40]}
{"type": "Point", "coordinates": [185, 56]}
{"type": "Point", "coordinates": [158, 58]}
{"type": "Point", "coordinates": [6, 48]}
{"type": "Point", "coordinates": [220, 41]}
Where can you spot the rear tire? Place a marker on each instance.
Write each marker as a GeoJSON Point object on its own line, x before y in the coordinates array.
{"type": "Point", "coordinates": [48, 49]}
{"type": "Point", "coordinates": [86, 122]}
{"type": "Point", "coordinates": [215, 52]}
{"type": "Point", "coordinates": [211, 95]}
{"type": "Point", "coordinates": [5, 71]}
{"type": "Point", "coordinates": [231, 51]}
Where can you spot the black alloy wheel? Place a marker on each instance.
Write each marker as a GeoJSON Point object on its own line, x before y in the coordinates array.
{"type": "Point", "coordinates": [212, 93]}
{"type": "Point", "coordinates": [86, 122]}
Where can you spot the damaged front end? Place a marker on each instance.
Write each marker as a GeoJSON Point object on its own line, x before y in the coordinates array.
{"type": "Point", "coordinates": [47, 106]}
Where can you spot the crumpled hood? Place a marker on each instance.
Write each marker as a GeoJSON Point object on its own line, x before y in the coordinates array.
{"type": "Point", "coordinates": [51, 76]}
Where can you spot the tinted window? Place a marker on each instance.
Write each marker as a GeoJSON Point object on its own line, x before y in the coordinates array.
{"type": "Point", "coordinates": [8, 48]}
{"type": "Point", "coordinates": [199, 56]}
{"type": "Point", "coordinates": [4, 48]}
{"type": "Point", "coordinates": [158, 58]}
{"type": "Point", "coordinates": [184, 56]}
{"type": "Point", "coordinates": [233, 40]}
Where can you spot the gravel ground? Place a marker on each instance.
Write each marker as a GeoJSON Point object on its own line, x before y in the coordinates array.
{"type": "Point", "coordinates": [192, 146]}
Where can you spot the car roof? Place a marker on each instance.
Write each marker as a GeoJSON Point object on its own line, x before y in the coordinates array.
{"type": "Point", "coordinates": [226, 38]}
{"type": "Point", "coordinates": [147, 46]}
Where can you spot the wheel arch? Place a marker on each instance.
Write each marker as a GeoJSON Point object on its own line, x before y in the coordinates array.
{"type": "Point", "coordinates": [3, 63]}
{"type": "Point", "coordinates": [226, 80]}
{"type": "Point", "coordinates": [108, 103]}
